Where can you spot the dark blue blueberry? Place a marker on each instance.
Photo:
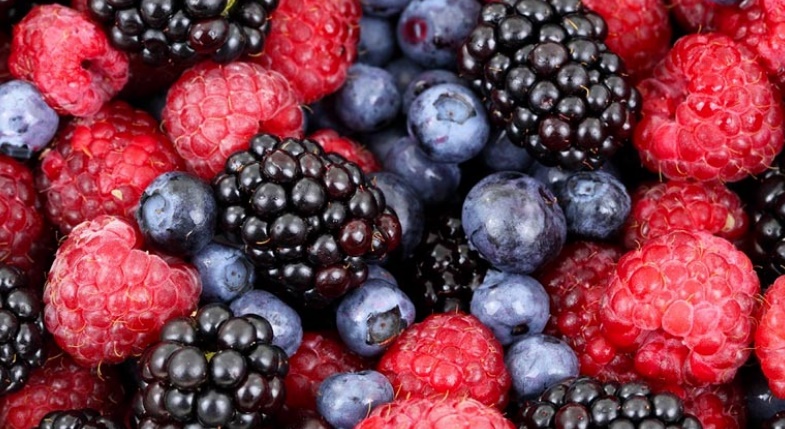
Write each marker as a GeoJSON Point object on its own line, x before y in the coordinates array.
{"type": "Point", "coordinates": [434, 182]}
{"type": "Point", "coordinates": [537, 362]}
{"type": "Point", "coordinates": [514, 222]}
{"type": "Point", "coordinates": [500, 154]}
{"type": "Point", "coordinates": [385, 8]}
{"type": "Point", "coordinates": [368, 100]}
{"type": "Point", "coordinates": [380, 142]}
{"type": "Point", "coordinates": [761, 403]}
{"type": "Point", "coordinates": [450, 123]}
{"type": "Point", "coordinates": [371, 317]}
{"type": "Point", "coordinates": [426, 80]}
{"type": "Point", "coordinates": [344, 399]}
{"type": "Point", "coordinates": [27, 123]}
{"type": "Point", "coordinates": [377, 41]}
{"type": "Point", "coordinates": [225, 272]}
{"type": "Point", "coordinates": [726, 2]}
{"type": "Point", "coordinates": [379, 273]}
{"type": "Point", "coordinates": [554, 177]}
{"type": "Point", "coordinates": [403, 70]}
{"type": "Point", "coordinates": [177, 213]}
{"type": "Point", "coordinates": [511, 305]}
{"type": "Point", "coordinates": [595, 204]}
{"type": "Point", "coordinates": [286, 323]}
{"type": "Point", "coordinates": [400, 196]}
{"type": "Point", "coordinates": [431, 31]}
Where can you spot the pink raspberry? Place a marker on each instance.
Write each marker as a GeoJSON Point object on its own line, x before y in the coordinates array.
{"type": "Point", "coordinates": [770, 337]}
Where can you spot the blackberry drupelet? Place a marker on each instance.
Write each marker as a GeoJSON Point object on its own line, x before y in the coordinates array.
{"type": "Point", "coordinates": [186, 31]}
{"type": "Point", "coordinates": [766, 242]}
{"type": "Point", "coordinates": [77, 419]}
{"type": "Point", "coordinates": [213, 370]}
{"type": "Point", "coordinates": [551, 81]}
{"type": "Point", "coordinates": [586, 403]}
{"type": "Point", "coordinates": [308, 220]}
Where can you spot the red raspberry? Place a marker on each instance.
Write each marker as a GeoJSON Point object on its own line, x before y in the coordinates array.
{"type": "Point", "coordinates": [450, 354]}
{"type": "Point", "coordinates": [320, 355]}
{"type": "Point", "coordinates": [770, 337]}
{"type": "Point", "coordinates": [449, 412]}
{"type": "Point", "coordinates": [719, 406]}
{"type": "Point", "coordinates": [313, 43]}
{"type": "Point", "coordinates": [102, 164]}
{"type": "Point", "coordinates": [709, 112]}
{"type": "Point", "coordinates": [21, 224]}
{"type": "Point", "coordinates": [694, 16]}
{"type": "Point", "coordinates": [683, 304]}
{"type": "Point", "coordinates": [213, 110]}
{"type": "Point", "coordinates": [60, 384]}
{"type": "Point", "coordinates": [107, 298]}
{"type": "Point", "coordinates": [5, 52]}
{"type": "Point", "coordinates": [639, 32]}
{"type": "Point", "coordinates": [658, 208]}
{"type": "Point", "coordinates": [68, 58]}
{"type": "Point", "coordinates": [331, 141]}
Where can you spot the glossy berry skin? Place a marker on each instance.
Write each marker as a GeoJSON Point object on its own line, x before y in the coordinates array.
{"type": "Point", "coordinates": [377, 41]}
{"type": "Point", "coordinates": [595, 204]}
{"type": "Point", "coordinates": [27, 123]}
{"type": "Point", "coordinates": [403, 198]}
{"type": "Point", "coordinates": [225, 271]}
{"type": "Point", "coordinates": [434, 182]}
{"type": "Point", "coordinates": [332, 142]}
{"type": "Point", "coordinates": [404, 71]}
{"type": "Point", "coordinates": [769, 337]}
{"type": "Point", "coordinates": [77, 419]}
{"type": "Point", "coordinates": [345, 399]}
{"type": "Point", "coordinates": [384, 8]}
{"type": "Point", "coordinates": [370, 318]}
{"type": "Point", "coordinates": [500, 154]}
{"type": "Point", "coordinates": [381, 142]}
{"type": "Point", "coordinates": [435, 413]}
{"type": "Point", "coordinates": [424, 81]}
{"type": "Point", "coordinates": [765, 241]}
{"type": "Point", "coordinates": [538, 361]}
{"type": "Point", "coordinates": [760, 402]}
{"type": "Point", "coordinates": [554, 177]}
{"type": "Point", "coordinates": [369, 100]}
{"type": "Point", "coordinates": [376, 272]}
{"type": "Point", "coordinates": [286, 323]}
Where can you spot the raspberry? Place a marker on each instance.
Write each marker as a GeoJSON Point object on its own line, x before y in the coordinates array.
{"type": "Point", "coordinates": [68, 58]}
{"type": "Point", "coordinates": [719, 406]}
{"type": "Point", "coordinates": [107, 298]}
{"type": "Point", "coordinates": [332, 142]}
{"type": "Point", "coordinates": [770, 337]}
{"type": "Point", "coordinates": [683, 304]}
{"type": "Point", "coordinates": [694, 16]}
{"type": "Point", "coordinates": [5, 52]}
{"type": "Point", "coordinates": [658, 208]}
{"type": "Point", "coordinates": [709, 112]}
{"type": "Point", "coordinates": [102, 164]}
{"type": "Point", "coordinates": [451, 354]}
{"type": "Point", "coordinates": [435, 413]}
{"type": "Point", "coordinates": [213, 110]}
{"type": "Point", "coordinates": [313, 43]}
{"type": "Point", "coordinates": [21, 224]}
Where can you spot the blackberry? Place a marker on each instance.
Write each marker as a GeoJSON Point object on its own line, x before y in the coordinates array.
{"type": "Point", "coordinates": [186, 31]}
{"type": "Point", "coordinates": [213, 370]}
{"type": "Point", "coordinates": [586, 403]}
{"type": "Point", "coordinates": [77, 419]}
{"type": "Point", "coordinates": [777, 421]}
{"type": "Point", "coordinates": [766, 242]}
{"type": "Point", "coordinates": [551, 81]}
{"type": "Point", "coordinates": [308, 220]}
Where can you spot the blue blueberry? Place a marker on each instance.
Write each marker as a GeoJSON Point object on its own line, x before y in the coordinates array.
{"type": "Point", "coordinates": [761, 403]}
{"type": "Point", "coordinates": [27, 123]}
{"type": "Point", "coordinates": [381, 142]}
{"type": "Point", "coordinates": [344, 399]}
{"type": "Point", "coordinates": [431, 31]}
{"type": "Point", "coordinates": [177, 213]}
{"type": "Point", "coordinates": [379, 273]}
{"type": "Point", "coordinates": [368, 100]}
{"type": "Point", "coordinates": [403, 70]}
{"type": "Point", "coordinates": [383, 8]}
{"type": "Point", "coordinates": [377, 41]}
{"type": "Point", "coordinates": [425, 80]}
{"type": "Point", "coordinates": [514, 222]}
{"type": "Point", "coordinates": [537, 362]}
{"type": "Point", "coordinates": [407, 205]}
{"type": "Point", "coordinates": [450, 123]}
{"type": "Point", "coordinates": [286, 323]}
{"type": "Point", "coordinates": [554, 177]}
{"type": "Point", "coordinates": [511, 305]}
{"type": "Point", "coordinates": [434, 182]}
{"type": "Point", "coordinates": [500, 154]}
{"type": "Point", "coordinates": [371, 317]}
{"type": "Point", "coordinates": [225, 272]}
{"type": "Point", "coordinates": [595, 204]}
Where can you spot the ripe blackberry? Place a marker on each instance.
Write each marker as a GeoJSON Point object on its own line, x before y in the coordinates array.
{"type": "Point", "coordinates": [213, 370]}
{"type": "Point", "coordinates": [186, 31]}
{"type": "Point", "coordinates": [766, 242]}
{"type": "Point", "coordinates": [551, 80]}
{"type": "Point", "coordinates": [585, 402]}
{"type": "Point", "coordinates": [77, 419]}
{"type": "Point", "coordinates": [307, 219]}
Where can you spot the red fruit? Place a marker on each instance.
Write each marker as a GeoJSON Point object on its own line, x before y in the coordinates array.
{"type": "Point", "coordinates": [709, 112]}
{"type": "Point", "coordinates": [5, 52]}
{"type": "Point", "coordinates": [659, 208]}
{"type": "Point", "coordinates": [683, 304]}
{"type": "Point", "coordinates": [21, 224]}
{"type": "Point", "coordinates": [449, 354]}
{"type": "Point", "coordinates": [694, 16]}
{"type": "Point", "coordinates": [450, 412]}
{"type": "Point", "coordinates": [69, 59]}
{"type": "Point", "coordinates": [213, 110]}
{"type": "Point", "coordinates": [770, 337]}
{"type": "Point", "coordinates": [333, 142]}
{"type": "Point", "coordinates": [107, 298]}
{"type": "Point", "coordinates": [102, 164]}
{"type": "Point", "coordinates": [719, 406]}
{"type": "Point", "coordinates": [313, 43]}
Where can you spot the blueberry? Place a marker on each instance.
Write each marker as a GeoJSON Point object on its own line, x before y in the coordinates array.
{"type": "Point", "coordinates": [371, 317]}
{"type": "Point", "coordinates": [431, 31]}
{"type": "Point", "coordinates": [385, 8]}
{"type": "Point", "coordinates": [225, 272]}
{"type": "Point", "coordinates": [321, 114]}
{"type": "Point", "coordinates": [403, 70]}
{"type": "Point", "coordinates": [407, 205]}
{"type": "Point", "coordinates": [177, 213]}
{"type": "Point", "coordinates": [450, 123]}
{"type": "Point", "coordinates": [379, 273]}
{"type": "Point", "coordinates": [368, 100]}
{"type": "Point", "coordinates": [287, 327]}
{"type": "Point", "coordinates": [554, 177]}
{"type": "Point", "coordinates": [344, 399]}
{"type": "Point", "coordinates": [27, 123]}
{"type": "Point", "coordinates": [511, 305]}
{"type": "Point", "coordinates": [761, 403]}
{"type": "Point", "coordinates": [377, 41]}
{"type": "Point", "coordinates": [500, 154]}
{"type": "Point", "coordinates": [381, 142]}
{"type": "Point", "coordinates": [537, 362]}
{"type": "Point", "coordinates": [426, 80]}
{"type": "Point", "coordinates": [595, 204]}
{"type": "Point", "coordinates": [434, 182]}
{"type": "Point", "coordinates": [514, 222]}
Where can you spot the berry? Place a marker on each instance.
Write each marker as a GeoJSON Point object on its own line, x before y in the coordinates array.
{"type": "Point", "coordinates": [426, 80]}
{"type": "Point", "coordinates": [500, 154]}
{"type": "Point", "coordinates": [378, 273]}
{"type": "Point", "coordinates": [68, 58]}
{"type": "Point", "coordinates": [369, 100]}
{"type": "Point", "coordinates": [77, 419]}
{"type": "Point", "coordinates": [595, 204]}
{"type": "Point", "coordinates": [554, 177]}
{"type": "Point", "coordinates": [21, 224]}
{"type": "Point", "coordinates": [107, 298]}
{"type": "Point", "coordinates": [404, 71]}
{"type": "Point", "coordinates": [102, 164]}
{"type": "Point", "coordinates": [377, 41]}
{"type": "Point", "coordinates": [225, 272]}
{"type": "Point", "coordinates": [760, 402]}
{"type": "Point", "coordinates": [451, 355]}
{"type": "Point", "coordinates": [775, 422]}
{"type": "Point", "coordinates": [770, 339]}
{"type": "Point", "coordinates": [406, 203]}
{"type": "Point", "coordinates": [537, 362]}
{"type": "Point", "coordinates": [347, 398]}
{"type": "Point", "coordinates": [286, 324]}
{"type": "Point", "coordinates": [381, 142]}
{"type": "Point", "coordinates": [719, 406]}
{"type": "Point", "coordinates": [207, 126]}
{"type": "Point", "coordinates": [709, 113]}
{"type": "Point", "coordinates": [766, 241]}
{"type": "Point", "coordinates": [694, 16]}
{"type": "Point", "coordinates": [453, 412]}
{"type": "Point", "coordinates": [27, 123]}
{"type": "Point", "coordinates": [332, 142]}
{"type": "Point", "coordinates": [433, 182]}
{"type": "Point", "coordinates": [384, 8]}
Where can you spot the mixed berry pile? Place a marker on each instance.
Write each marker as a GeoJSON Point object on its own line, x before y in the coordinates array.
{"type": "Point", "coordinates": [392, 214]}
